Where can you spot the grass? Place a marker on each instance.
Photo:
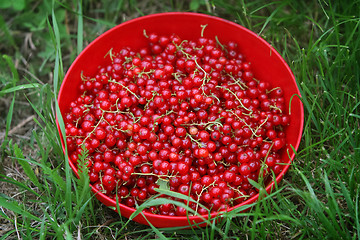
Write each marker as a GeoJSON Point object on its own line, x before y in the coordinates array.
{"type": "Point", "coordinates": [40, 198]}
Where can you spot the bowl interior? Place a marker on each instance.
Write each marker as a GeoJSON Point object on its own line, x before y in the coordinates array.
{"type": "Point", "coordinates": [266, 64]}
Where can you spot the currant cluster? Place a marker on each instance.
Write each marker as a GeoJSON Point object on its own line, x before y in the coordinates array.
{"type": "Point", "coordinates": [187, 112]}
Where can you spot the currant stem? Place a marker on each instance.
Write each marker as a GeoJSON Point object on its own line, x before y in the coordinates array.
{"type": "Point", "coordinates": [146, 73]}
{"type": "Point", "coordinates": [154, 95]}
{"type": "Point", "coordinates": [269, 91]}
{"type": "Point", "coordinates": [212, 95]}
{"type": "Point", "coordinates": [83, 78]}
{"type": "Point", "coordinates": [145, 35]}
{"type": "Point", "coordinates": [276, 108]}
{"type": "Point", "coordinates": [237, 190]}
{"type": "Point", "coordinates": [205, 78]}
{"type": "Point", "coordinates": [200, 144]}
{"type": "Point", "coordinates": [156, 175]}
{"type": "Point", "coordinates": [242, 105]}
{"type": "Point", "coordinates": [238, 82]}
{"type": "Point", "coordinates": [155, 122]}
{"type": "Point", "coordinates": [252, 130]}
{"type": "Point", "coordinates": [110, 54]}
{"type": "Point", "coordinates": [260, 125]}
{"type": "Point", "coordinates": [179, 48]}
{"type": "Point", "coordinates": [207, 125]}
{"type": "Point", "coordinates": [199, 195]}
{"type": "Point", "coordinates": [221, 45]}
{"type": "Point", "coordinates": [127, 89]}
{"type": "Point", "coordinates": [203, 29]}
{"type": "Point", "coordinates": [263, 163]}
{"type": "Point", "coordinates": [92, 132]}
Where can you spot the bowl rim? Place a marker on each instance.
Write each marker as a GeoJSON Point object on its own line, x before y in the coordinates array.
{"type": "Point", "coordinates": [249, 201]}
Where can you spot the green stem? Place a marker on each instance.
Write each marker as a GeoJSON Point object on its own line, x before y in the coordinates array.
{"type": "Point", "coordinates": [127, 89]}
{"type": "Point", "coordinates": [242, 105]}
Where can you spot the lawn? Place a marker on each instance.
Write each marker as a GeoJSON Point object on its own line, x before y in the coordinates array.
{"type": "Point", "coordinates": [40, 198]}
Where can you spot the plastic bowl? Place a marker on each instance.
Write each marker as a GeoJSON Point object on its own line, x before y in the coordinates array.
{"type": "Point", "coordinates": [266, 62]}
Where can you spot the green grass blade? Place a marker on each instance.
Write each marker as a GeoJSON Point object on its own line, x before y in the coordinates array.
{"type": "Point", "coordinates": [38, 111]}
{"type": "Point", "coordinates": [53, 174]}
{"type": "Point", "coordinates": [212, 230]}
{"type": "Point", "coordinates": [354, 115]}
{"type": "Point", "coordinates": [357, 210]}
{"type": "Point", "coordinates": [6, 235]}
{"type": "Point", "coordinates": [268, 19]}
{"type": "Point", "coordinates": [227, 226]}
{"type": "Point", "coordinates": [96, 20]}
{"type": "Point", "coordinates": [26, 166]}
{"type": "Point", "coordinates": [15, 75]}
{"type": "Point", "coordinates": [43, 229]}
{"type": "Point", "coordinates": [58, 74]}
{"type": "Point", "coordinates": [16, 208]}
{"type": "Point", "coordinates": [281, 217]}
{"type": "Point", "coordinates": [316, 205]}
{"type": "Point", "coordinates": [320, 142]}
{"type": "Point", "coordinates": [255, 184]}
{"type": "Point", "coordinates": [49, 133]}
{"type": "Point", "coordinates": [334, 210]}
{"type": "Point", "coordinates": [19, 87]}
{"type": "Point", "coordinates": [158, 233]}
{"type": "Point", "coordinates": [157, 202]}
{"type": "Point", "coordinates": [21, 185]}
{"type": "Point", "coordinates": [80, 31]}
{"type": "Point", "coordinates": [81, 210]}
{"type": "Point", "coordinates": [8, 123]}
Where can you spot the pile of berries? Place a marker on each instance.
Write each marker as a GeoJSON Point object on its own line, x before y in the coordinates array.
{"type": "Point", "coordinates": [190, 113]}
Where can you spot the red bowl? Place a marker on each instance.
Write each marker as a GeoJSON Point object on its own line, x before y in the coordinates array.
{"type": "Point", "coordinates": [266, 62]}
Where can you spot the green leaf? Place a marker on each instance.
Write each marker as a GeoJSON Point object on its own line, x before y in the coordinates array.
{"type": "Point", "coordinates": [194, 5]}
{"type": "Point", "coordinates": [83, 170]}
{"type": "Point", "coordinates": [5, 4]}
{"type": "Point", "coordinates": [18, 5]}
{"type": "Point", "coordinates": [83, 192]}
{"type": "Point", "coordinates": [163, 184]}
{"type": "Point", "coordinates": [54, 175]}
{"type": "Point", "coordinates": [5, 29]}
